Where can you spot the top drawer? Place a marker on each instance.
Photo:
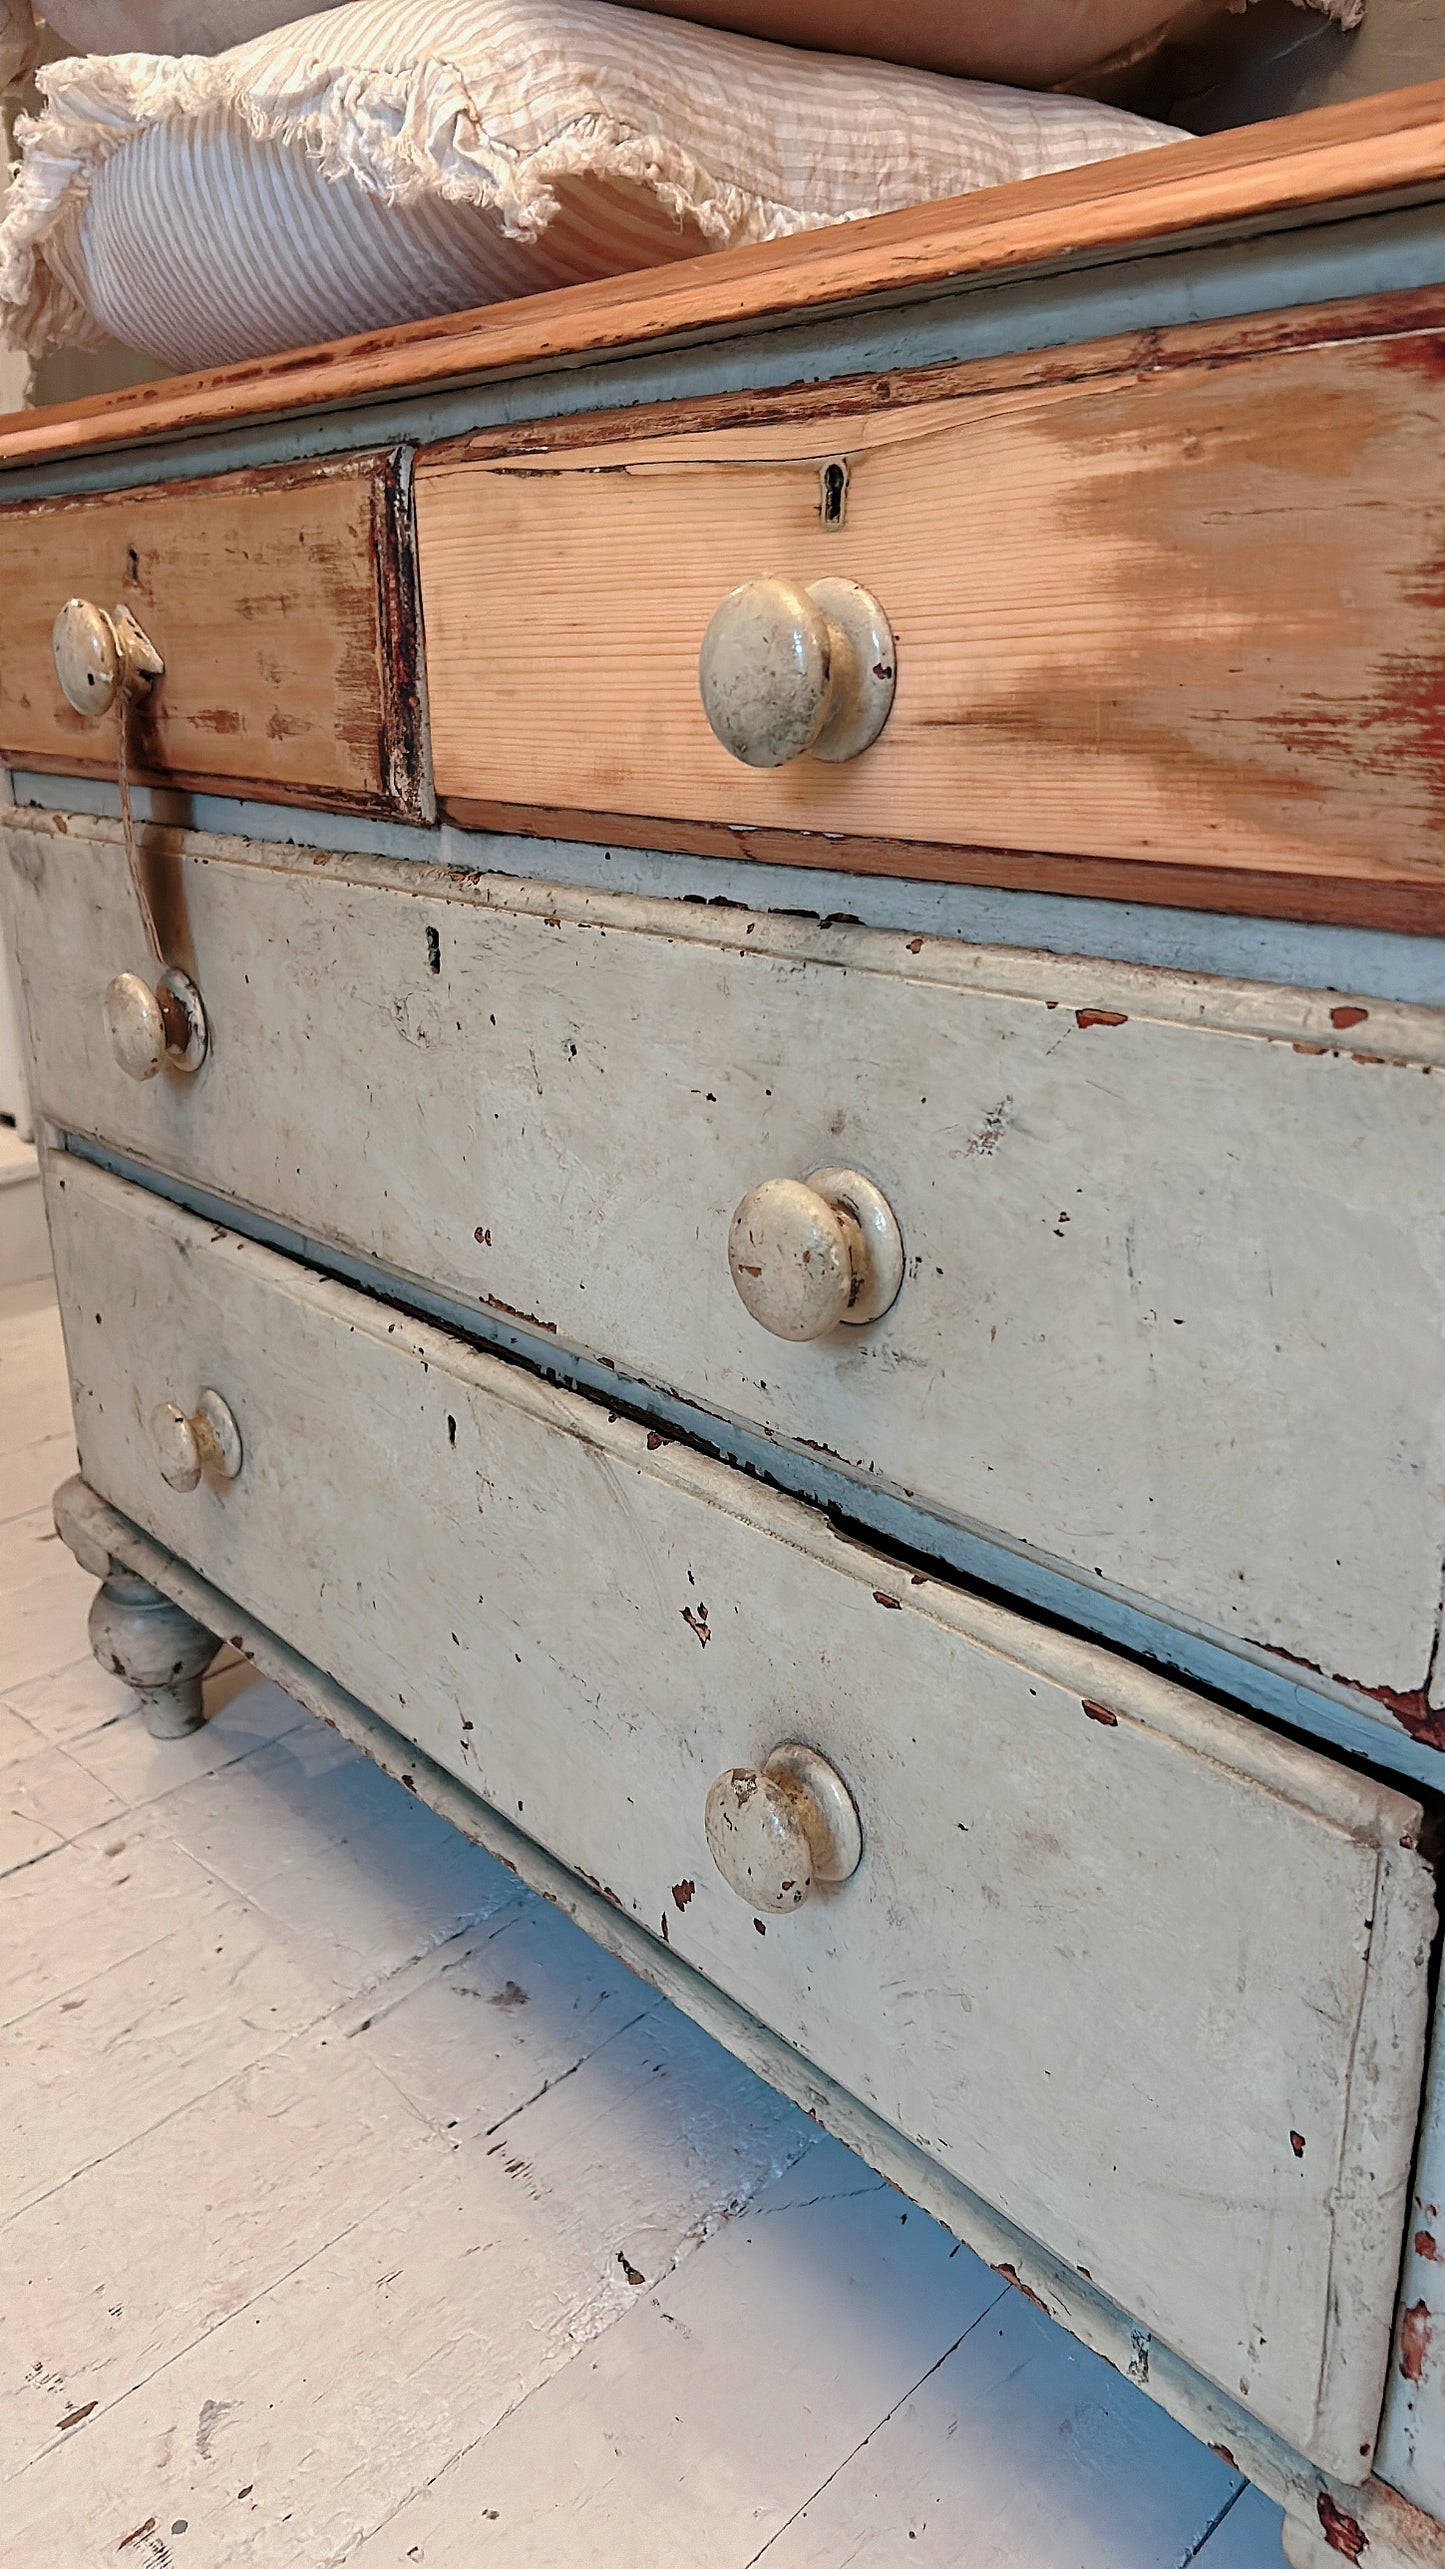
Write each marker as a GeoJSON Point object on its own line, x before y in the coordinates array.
{"type": "Point", "coordinates": [283, 605]}
{"type": "Point", "coordinates": [1178, 626]}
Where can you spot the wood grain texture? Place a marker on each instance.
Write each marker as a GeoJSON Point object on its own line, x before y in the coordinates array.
{"type": "Point", "coordinates": [283, 604]}
{"type": "Point", "coordinates": [1180, 618]}
{"type": "Point", "coordinates": [1007, 2427]}
{"type": "Point", "coordinates": [1369, 152]}
{"type": "Point", "coordinates": [1144, 1213]}
{"type": "Point", "coordinates": [523, 1598]}
{"type": "Point", "coordinates": [1332, 899]}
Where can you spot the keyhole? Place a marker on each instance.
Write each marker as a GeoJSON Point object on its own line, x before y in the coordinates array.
{"type": "Point", "coordinates": [834, 481]}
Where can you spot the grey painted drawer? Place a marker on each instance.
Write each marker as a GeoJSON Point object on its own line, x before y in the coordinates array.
{"type": "Point", "coordinates": [1146, 1977]}
{"type": "Point", "coordinates": [1174, 1309]}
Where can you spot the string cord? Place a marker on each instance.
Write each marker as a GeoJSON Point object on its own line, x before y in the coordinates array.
{"type": "Point", "coordinates": [132, 849]}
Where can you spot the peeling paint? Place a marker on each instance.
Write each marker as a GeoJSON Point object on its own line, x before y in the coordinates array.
{"type": "Point", "coordinates": [1413, 1710]}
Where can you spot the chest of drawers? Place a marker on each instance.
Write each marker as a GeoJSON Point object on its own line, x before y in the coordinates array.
{"type": "Point", "coordinates": [788, 1243]}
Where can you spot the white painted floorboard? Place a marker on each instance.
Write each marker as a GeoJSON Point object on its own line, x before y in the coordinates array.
{"type": "Point", "coordinates": [356, 2208]}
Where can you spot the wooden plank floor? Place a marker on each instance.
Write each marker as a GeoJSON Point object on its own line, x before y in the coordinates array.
{"type": "Point", "coordinates": [357, 2209]}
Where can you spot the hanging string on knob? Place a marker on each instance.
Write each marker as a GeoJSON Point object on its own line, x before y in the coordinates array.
{"type": "Point", "coordinates": [103, 662]}
{"type": "Point", "coordinates": [125, 710]}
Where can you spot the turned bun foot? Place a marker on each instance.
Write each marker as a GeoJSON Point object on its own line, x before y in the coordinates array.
{"type": "Point", "coordinates": [160, 1651]}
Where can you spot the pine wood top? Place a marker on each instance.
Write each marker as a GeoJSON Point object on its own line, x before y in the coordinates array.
{"type": "Point", "coordinates": [1369, 151]}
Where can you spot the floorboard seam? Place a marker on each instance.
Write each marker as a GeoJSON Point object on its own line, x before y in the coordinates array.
{"type": "Point", "coordinates": [691, 2243]}
{"type": "Point", "coordinates": [864, 2441]}
{"type": "Point", "coordinates": [562, 2076]}
{"type": "Point", "coordinates": [1211, 2530]}
{"type": "Point", "coordinates": [274, 2283]}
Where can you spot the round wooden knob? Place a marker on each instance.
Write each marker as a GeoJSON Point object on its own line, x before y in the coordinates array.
{"type": "Point", "coordinates": [207, 1445]}
{"type": "Point", "coordinates": [99, 657]}
{"type": "Point", "coordinates": [775, 1831]}
{"type": "Point", "coordinates": [808, 1253]}
{"type": "Point", "coordinates": [151, 1030]}
{"type": "Point", "coordinates": [786, 670]}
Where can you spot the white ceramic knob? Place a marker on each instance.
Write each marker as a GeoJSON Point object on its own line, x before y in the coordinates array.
{"type": "Point", "coordinates": [808, 1253]}
{"type": "Point", "coordinates": [786, 670]}
{"type": "Point", "coordinates": [99, 657]}
{"type": "Point", "coordinates": [776, 1830]}
{"type": "Point", "coordinates": [152, 1030]}
{"type": "Point", "coordinates": [207, 1445]}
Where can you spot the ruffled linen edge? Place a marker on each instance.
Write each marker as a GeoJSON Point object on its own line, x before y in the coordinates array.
{"type": "Point", "coordinates": [401, 134]}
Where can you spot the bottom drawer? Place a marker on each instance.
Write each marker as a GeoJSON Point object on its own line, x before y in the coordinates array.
{"type": "Point", "coordinates": [1144, 1976]}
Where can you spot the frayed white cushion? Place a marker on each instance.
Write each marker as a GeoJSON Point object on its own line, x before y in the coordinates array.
{"type": "Point", "coordinates": [393, 159]}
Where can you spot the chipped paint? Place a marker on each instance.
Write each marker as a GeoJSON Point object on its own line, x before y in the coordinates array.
{"type": "Point", "coordinates": [1100, 1713]}
{"type": "Point", "coordinates": [1416, 2330]}
{"type": "Point", "coordinates": [1012, 2276]}
{"type": "Point", "coordinates": [982, 1144]}
{"type": "Point", "coordinates": [1100, 1017]}
{"type": "Point", "coordinates": [528, 1319]}
{"type": "Point", "coordinates": [1341, 2531]}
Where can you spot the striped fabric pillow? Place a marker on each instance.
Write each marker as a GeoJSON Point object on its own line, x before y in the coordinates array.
{"type": "Point", "coordinates": [392, 159]}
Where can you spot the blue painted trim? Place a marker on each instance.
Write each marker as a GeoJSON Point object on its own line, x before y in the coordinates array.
{"type": "Point", "coordinates": [983, 1560]}
{"type": "Point", "coordinates": [1365, 962]}
{"type": "Point", "coordinates": [1321, 261]}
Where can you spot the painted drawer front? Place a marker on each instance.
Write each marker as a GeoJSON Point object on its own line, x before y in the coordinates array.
{"type": "Point", "coordinates": [1412, 2441]}
{"type": "Point", "coordinates": [283, 605]}
{"type": "Point", "coordinates": [1166, 611]}
{"type": "Point", "coordinates": [1175, 1305]}
{"type": "Point", "coordinates": [1146, 1977]}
